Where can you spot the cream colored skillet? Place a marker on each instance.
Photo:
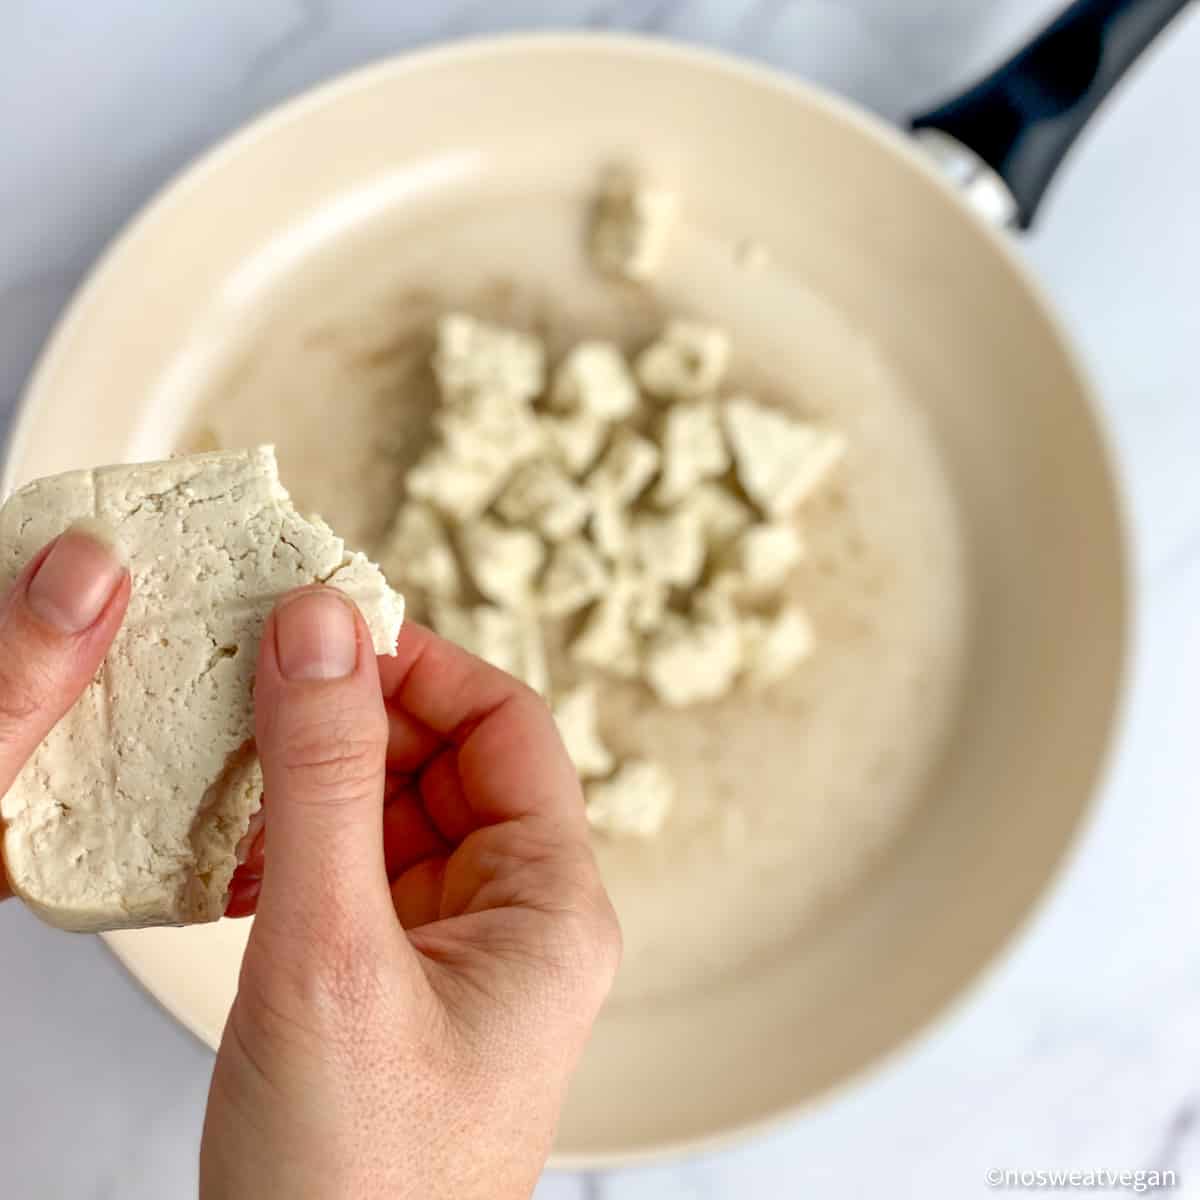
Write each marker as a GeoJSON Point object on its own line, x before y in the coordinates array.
{"type": "Point", "coordinates": [848, 210]}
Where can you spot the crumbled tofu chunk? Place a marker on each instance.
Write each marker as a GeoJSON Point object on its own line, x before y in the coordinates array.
{"type": "Point", "coordinates": [575, 715]}
{"type": "Point", "coordinates": [669, 547]}
{"type": "Point", "coordinates": [594, 379]}
{"type": "Point", "coordinates": [418, 552]}
{"type": "Point", "coordinates": [780, 460]}
{"type": "Point", "coordinates": [687, 362]}
{"type": "Point", "coordinates": [648, 603]}
{"type": "Point", "coordinates": [610, 527]}
{"type": "Point", "coordinates": [761, 558]}
{"type": "Point", "coordinates": [503, 562]}
{"type": "Point", "coordinates": [574, 578]}
{"type": "Point", "coordinates": [635, 802]}
{"type": "Point", "coordinates": [473, 356]}
{"type": "Point", "coordinates": [693, 450]}
{"type": "Point", "coordinates": [575, 441]}
{"type": "Point", "coordinates": [774, 646]}
{"type": "Point", "coordinates": [130, 812]}
{"type": "Point", "coordinates": [721, 514]}
{"type": "Point", "coordinates": [459, 489]}
{"type": "Point", "coordinates": [607, 640]}
{"type": "Point", "coordinates": [630, 226]}
{"type": "Point", "coordinates": [695, 659]}
{"type": "Point", "coordinates": [496, 441]}
{"type": "Point", "coordinates": [626, 468]}
{"type": "Point", "coordinates": [542, 497]}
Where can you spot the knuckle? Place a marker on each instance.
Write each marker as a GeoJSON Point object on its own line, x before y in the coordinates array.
{"type": "Point", "coordinates": [338, 752]}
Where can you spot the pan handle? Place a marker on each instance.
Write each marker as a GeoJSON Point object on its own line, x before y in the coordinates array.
{"type": "Point", "coordinates": [1013, 128]}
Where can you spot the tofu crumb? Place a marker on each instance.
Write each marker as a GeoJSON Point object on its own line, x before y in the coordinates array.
{"type": "Point", "coordinates": [780, 460]}
{"type": "Point", "coordinates": [575, 713]}
{"type": "Point", "coordinates": [607, 642]}
{"type": "Point", "coordinates": [594, 379]}
{"type": "Point", "coordinates": [760, 558]}
{"type": "Point", "coordinates": [635, 802]}
{"type": "Point", "coordinates": [693, 450]}
{"type": "Point", "coordinates": [774, 646]}
{"type": "Point", "coordinates": [630, 226]}
{"type": "Point", "coordinates": [574, 442]}
{"type": "Point", "coordinates": [687, 362]}
{"type": "Point", "coordinates": [574, 578]}
{"type": "Point", "coordinates": [628, 465]}
{"type": "Point", "coordinates": [503, 562]}
{"type": "Point", "coordinates": [669, 547]}
{"type": "Point", "coordinates": [418, 553]}
{"type": "Point", "coordinates": [695, 659]}
{"type": "Point", "coordinates": [473, 357]}
{"type": "Point", "coordinates": [541, 496]}
{"type": "Point", "coordinates": [458, 489]}
{"type": "Point", "coordinates": [721, 514]}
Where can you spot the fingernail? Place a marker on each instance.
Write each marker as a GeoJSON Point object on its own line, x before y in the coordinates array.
{"type": "Point", "coordinates": [77, 578]}
{"type": "Point", "coordinates": [315, 636]}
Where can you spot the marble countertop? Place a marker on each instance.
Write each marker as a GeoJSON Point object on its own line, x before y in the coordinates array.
{"type": "Point", "coordinates": [1082, 1048]}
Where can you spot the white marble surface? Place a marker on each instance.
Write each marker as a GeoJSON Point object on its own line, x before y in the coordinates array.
{"type": "Point", "coordinates": [1083, 1047]}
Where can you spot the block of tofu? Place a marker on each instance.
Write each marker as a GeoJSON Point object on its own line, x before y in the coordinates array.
{"type": "Point", "coordinates": [687, 362]}
{"type": "Point", "coordinates": [503, 562]}
{"type": "Point", "coordinates": [507, 638]}
{"type": "Point", "coordinates": [695, 659]}
{"type": "Point", "coordinates": [630, 226]}
{"type": "Point", "coordinates": [574, 442]}
{"type": "Point", "coordinates": [129, 814]}
{"type": "Point", "coordinates": [455, 487]}
{"type": "Point", "coordinates": [574, 577]}
{"type": "Point", "coordinates": [780, 460]}
{"type": "Point", "coordinates": [635, 802]}
{"type": "Point", "coordinates": [773, 646]}
{"type": "Point", "coordinates": [693, 450]}
{"type": "Point", "coordinates": [760, 558]}
{"type": "Point", "coordinates": [542, 496]}
{"type": "Point", "coordinates": [669, 547]}
{"type": "Point", "coordinates": [628, 465]}
{"type": "Point", "coordinates": [417, 552]}
{"type": "Point", "coordinates": [474, 356]}
{"type": "Point", "coordinates": [576, 717]}
{"type": "Point", "coordinates": [594, 379]}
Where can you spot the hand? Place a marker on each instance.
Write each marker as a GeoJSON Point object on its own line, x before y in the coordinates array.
{"type": "Point", "coordinates": [56, 625]}
{"type": "Point", "coordinates": [433, 941]}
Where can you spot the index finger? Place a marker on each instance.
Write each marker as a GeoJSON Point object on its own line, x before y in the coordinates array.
{"type": "Point", "coordinates": [511, 759]}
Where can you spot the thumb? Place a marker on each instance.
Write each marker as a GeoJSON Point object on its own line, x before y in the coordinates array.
{"type": "Point", "coordinates": [322, 740]}
{"type": "Point", "coordinates": [56, 625]}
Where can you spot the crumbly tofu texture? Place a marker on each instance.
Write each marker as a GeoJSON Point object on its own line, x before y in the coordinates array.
{"type": "Point", "coordinates": [650, 519]}
{"type": "Point", "coordinates": [131, 811]}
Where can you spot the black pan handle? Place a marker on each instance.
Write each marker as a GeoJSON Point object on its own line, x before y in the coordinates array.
{"type": "Point", "coordinates": [1022, 119]}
